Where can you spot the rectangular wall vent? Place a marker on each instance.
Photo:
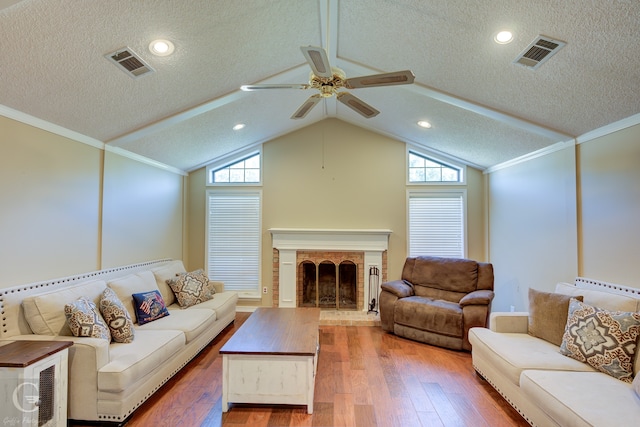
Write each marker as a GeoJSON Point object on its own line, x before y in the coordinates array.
{"type": "Point", "coordinates": [539, 52]}
{"type": "Point", "coordinates": [129, 62]}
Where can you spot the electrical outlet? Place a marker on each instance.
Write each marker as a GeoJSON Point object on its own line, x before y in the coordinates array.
{"type": "Point", "coordinates": [264, 290]}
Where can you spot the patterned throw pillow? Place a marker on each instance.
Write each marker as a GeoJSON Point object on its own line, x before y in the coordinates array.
{"type": "Point", "coordinates": [606, 340]}
{"type": "Point", "coordinates": [116, 316]}
{"type": "Point", "coordinates": [84, 319]}
{"type": "Point", "coordinates": [149, 306]}
{"type": "Point", "coordinates": [191, 288]}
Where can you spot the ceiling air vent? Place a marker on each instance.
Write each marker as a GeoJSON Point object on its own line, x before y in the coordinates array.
{"type": "Point", "coordinates": [129, 62]}
{"type": "Point", "coordinates": [538, 52]}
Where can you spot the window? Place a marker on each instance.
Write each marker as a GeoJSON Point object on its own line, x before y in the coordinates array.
{"type": "Point", "coordinates": [244, 171]}
{"type": "Point", "coordinates": [234, 240]}
{"type": "Point", "coordinates": [425, 169]}
{"type": "Point", "coordinates": [437, 223]}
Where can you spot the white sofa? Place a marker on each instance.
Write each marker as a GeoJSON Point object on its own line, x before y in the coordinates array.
{"type": "Point", "coordinates": [546, 387]}
{"type": "Point", "coordinates": [108, 380]}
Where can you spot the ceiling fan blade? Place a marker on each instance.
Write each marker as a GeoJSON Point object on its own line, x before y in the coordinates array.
{"type": "Point", "coordinates": [387, 79]}
{"type": "Point", "coordinates": [357, 105]}
{"type": "Point", "coordinates": [318, 61]}
{"type": "Point", "coordinates": [274, 86]}
{"type": "Point", "coordinates": [306, 107]}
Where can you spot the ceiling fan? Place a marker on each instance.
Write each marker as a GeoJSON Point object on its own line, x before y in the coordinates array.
{"type": "Point", "coordinates": [329, 80]}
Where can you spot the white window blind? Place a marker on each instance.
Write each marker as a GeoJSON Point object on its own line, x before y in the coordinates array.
{"type": "Point", "coordinates": [436, 224]}
{"type": "Point", "coordinates": [233, 240]}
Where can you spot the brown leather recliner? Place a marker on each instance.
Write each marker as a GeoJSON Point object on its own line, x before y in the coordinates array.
{"type": "Point", "coordinates": [438, 300]}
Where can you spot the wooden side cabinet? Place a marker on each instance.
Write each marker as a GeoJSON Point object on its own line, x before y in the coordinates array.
{"type": "Point", "coordinates": [33, 383]}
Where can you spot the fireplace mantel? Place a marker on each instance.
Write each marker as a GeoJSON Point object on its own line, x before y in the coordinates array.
{"type": "Point", "coordinates": [330, 239]}
{"type": "Point", "coordinates": [373, 242]}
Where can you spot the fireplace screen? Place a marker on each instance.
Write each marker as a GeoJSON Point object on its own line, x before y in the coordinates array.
{"type": "Point", "coordinates": [329, 285]}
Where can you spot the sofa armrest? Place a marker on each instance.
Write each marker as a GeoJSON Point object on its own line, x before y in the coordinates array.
{"type": "Point", "coordinates": [399, 288]}
{"type": "Point", "coordinates": [218, 286]}
{"type": "Point", "coordinates": [95, 349]}
{"type": "Point", "coordinates": [480, 297]}
{"type": "Point", "coordinates": [512, 322]}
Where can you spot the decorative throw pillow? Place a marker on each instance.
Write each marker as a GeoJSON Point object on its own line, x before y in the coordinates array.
{"type": "Point", "coordinates": [606, 340]}
{"type": "Point", "coordinates": [149, 306]}
{"type": "Point", "coordinates": [548, 315]}
{"type": "Point", "coordinates": [116, 316]}
{"type": "Point", "coordinates": [191, 288]}
{"type": "Point", "coordinates": [84, 319]}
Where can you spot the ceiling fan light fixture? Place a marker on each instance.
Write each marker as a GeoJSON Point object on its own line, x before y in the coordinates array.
{"type": "Point", "coordinates": [503, 37]}
{"type": "Point", "coordinates": [424, 124]}
{"type": "Point", "coordinates": [161, 47]}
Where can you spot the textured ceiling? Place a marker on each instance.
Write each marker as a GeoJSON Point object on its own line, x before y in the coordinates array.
{"type": "Point", "coordinates": [485, 110]}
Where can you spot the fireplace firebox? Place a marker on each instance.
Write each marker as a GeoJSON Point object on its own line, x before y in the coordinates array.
{"type": "Point", "coordinates": [329, 284]}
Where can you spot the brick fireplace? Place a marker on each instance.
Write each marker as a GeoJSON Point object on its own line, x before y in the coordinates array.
{"type": "Point", "coordinates": [316, 267]}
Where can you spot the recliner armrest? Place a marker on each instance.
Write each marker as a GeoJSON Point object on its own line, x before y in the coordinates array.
{"type": "Point", "coordinates": [399, 288]}
{"type": "Point", "coordinates": [480, 297]}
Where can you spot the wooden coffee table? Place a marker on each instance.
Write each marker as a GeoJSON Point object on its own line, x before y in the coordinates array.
{"type": "Point", "coordinates": [272, 358]}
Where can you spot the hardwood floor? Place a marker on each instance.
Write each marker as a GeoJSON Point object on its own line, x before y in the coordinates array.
{"type": "Point", "coordinates": [365, 377]}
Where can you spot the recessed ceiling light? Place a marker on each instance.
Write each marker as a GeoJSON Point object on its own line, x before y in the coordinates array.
{"type": "Point", "coordinates": [503, 37]}
{"type": "Point", "coordinates": [424, 124]}
{"type": "Point", "coordinates": [161, 47]}
{"type": "Point", "coordinates": [239, 126]}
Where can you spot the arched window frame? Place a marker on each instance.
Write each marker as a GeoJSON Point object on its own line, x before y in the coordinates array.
{"type": "Point", "coordinates": [230, 162]}
{"type": "Point", "coordinates": [446, 164]}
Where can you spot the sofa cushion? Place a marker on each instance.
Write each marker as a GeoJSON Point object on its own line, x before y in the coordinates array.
{"type": "Point", "coordinates": [168, 272]}
{"type": "Point", "coordinates": [191, 288]}
{"type": "Point", "coordinates": [45, 312]}
{"type": "Point", "coordinates": [581, 398]}
{"type": "Point", "coordinates": [442, 317]}
{"type": "Point", "coordinates": [192, 322]}
{"type": "Point", "coordinates": [117, 317]}
{"type": "Point", "coordinates": [548, 315]}
{"type": "Point", "coordinates": [149, 306]}
{"type": "Point", "coordinates": [126, 286]}
{"type": "Point", "coordinates": [131, 362]}
{"type": "Point", "coordinates": [606, 340]}
{"type": "Point", "coordinates": [223, 303]}
{"type": "Point", "coordinates": [606, 300]}
{"type": "Point", "coordinates": [85, 320]}
{"type": "Point", "coordinates": [512, 353]}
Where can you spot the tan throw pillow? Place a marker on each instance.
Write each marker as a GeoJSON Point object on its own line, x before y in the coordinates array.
{"type": "Point", "coordinates": [191, 288]}
{"type": "Point", "coordinates": [606, 340]}
{"type": "Point", "coordinates": [85, 320]}
{"type": "Point", "coordinates": [117, 317]}
{"type": "Point", "coordinates": [548, 315]}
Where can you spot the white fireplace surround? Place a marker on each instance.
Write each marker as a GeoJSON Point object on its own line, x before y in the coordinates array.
{"type": "Point", "coordinates": [290, 240]}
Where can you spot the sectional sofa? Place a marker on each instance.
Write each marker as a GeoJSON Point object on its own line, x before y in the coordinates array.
{"type": "Point", "coordinates": [525, 360]}
{"type": "Point", "coordinates": [109, 380]}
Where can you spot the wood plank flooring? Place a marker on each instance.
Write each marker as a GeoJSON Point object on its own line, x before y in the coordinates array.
{"type": "Point", "coordinates": [365, 377]}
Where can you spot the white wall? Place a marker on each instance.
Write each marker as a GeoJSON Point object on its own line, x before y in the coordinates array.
{"type": "Point", "coordinates": [533, 227]}
{"type": "Point", "coordinates": [572, 212]}
{"type": "Point", "coordinates": [142, 212]}
{"type": "Point", "coordinates": [57, 219]}
{"type": "Point", "coordinates": [610, 199]}
{"type": "Point", "coordinates": [49, 204]}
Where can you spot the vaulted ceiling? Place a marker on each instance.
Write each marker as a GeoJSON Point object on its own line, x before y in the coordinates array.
{"type": "Point", "coordinates": [484, 108]}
